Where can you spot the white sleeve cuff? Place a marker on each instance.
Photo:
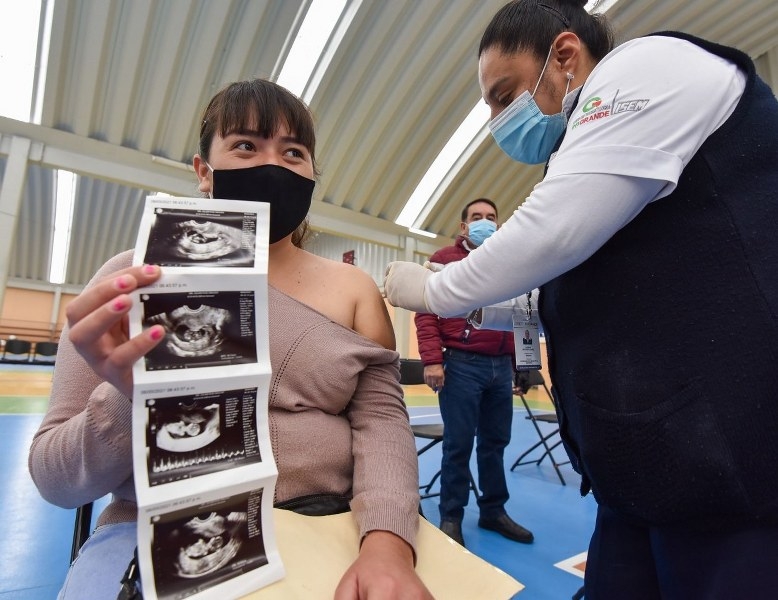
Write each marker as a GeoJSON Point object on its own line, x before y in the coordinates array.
{"type": "Point", "coordinates": [500, 316]}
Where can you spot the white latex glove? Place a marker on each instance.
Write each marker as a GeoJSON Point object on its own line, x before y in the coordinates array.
{"type": "Point", "coordinates": [433, 266]}
{"type": "Point", "coordinates": [404, 285]}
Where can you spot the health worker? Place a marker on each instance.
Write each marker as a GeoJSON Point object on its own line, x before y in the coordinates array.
{"type": "Point", "coordinates": [652, 239]}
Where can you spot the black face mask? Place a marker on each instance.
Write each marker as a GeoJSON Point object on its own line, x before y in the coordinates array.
{"type": "Point", "coordinates": [288, 194]}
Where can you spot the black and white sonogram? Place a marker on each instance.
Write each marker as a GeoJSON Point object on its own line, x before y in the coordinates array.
{"type": "Point", "coordinates": [203, 329]}
{"type": "Point", "coordinates": [180, 237]}
{"type": "Point", "coordinates": [189, 436]}
{"type": "Point", "coordinates": [199, 547]}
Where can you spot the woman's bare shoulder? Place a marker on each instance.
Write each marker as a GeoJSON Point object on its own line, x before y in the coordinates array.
{"type": "Point", "coordinates": [357, 289]}
{"type": "Point", "coordinates": [350, 276]}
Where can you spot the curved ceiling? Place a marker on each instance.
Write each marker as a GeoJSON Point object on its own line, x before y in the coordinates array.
{"type": "Point", "coordinates": [126, 81]}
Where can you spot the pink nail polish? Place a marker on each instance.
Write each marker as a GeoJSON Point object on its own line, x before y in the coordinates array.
{"type": "Point", "coordinates": [157, 333]}
{"type": "Point", "coordinates": [149, 269]}
{"type": "Point", "coordinates": [119, 305]}
{"type": "Point", "coordinates": [122, 282]}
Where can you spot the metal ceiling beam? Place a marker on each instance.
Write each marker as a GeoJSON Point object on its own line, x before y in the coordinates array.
{"type": "Point", "coordinates": [10, 202]}
{"type": "Point", "coordinates": [58, 149]}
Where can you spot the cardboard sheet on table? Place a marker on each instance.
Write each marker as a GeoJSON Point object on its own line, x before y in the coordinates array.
{"type": "Point", "coordinates": [316, 551]}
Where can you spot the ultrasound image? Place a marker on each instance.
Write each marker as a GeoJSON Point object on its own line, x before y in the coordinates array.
{"type": "Point", "coordinates": [201, 329]}
{"type": "Point", "coordinates": [193, 331]}
{"type": "Point", "coordinates": [201, 238]}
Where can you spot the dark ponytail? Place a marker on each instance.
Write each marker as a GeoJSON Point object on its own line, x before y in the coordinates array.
{"type": "Point", "coordinates": [531, 25]}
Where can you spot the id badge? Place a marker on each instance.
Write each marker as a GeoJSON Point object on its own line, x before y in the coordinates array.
{"type": "Point", "coordinates": [526, 338]}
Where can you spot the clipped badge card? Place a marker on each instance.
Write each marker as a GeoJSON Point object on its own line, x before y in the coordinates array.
{"type": "Point", "coordinates": [526, 336]}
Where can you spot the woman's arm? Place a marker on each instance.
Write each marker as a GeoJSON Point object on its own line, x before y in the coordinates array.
{"type": "Point", "coordinates": [371, 319]}
{"type": "Point", "coordinates": [386, 497]}
{"type": "Point", "coordinates": [385, 463]}
{"type": "Point", "coordinates": [564, 221]}
{"type": "Point", "coordinates": [385, 487]}
{"type": "Point", "coordinates": [82, 449]}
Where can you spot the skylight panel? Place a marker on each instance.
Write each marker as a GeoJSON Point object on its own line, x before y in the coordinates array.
{"type": "Point", "coordinates": [457, 151]}
{"type": "Point", "coordinates": [63, 221]}
{"type": "Point", "coordinates": [18, 41]}
{"type": "Point", "coordinates": [308, 50]}
{"type": "Point", "coordinates": [451, 154]}
{"type": "Point", "coordinates": [428, 234]}
{"type": "Point", "coordinates": [601, 5]}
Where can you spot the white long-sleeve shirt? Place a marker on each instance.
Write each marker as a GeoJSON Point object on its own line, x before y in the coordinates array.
{"type": "Point", "coordinates": [642, 114]}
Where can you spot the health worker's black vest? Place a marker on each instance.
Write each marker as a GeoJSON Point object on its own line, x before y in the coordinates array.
{"type": "Point", "coordinates": [663, 346]}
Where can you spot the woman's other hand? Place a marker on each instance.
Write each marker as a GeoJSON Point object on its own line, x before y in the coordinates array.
{"type": "Point", "coordinates": [99, 327]}
{"type": "Point", "coordinates": [382, 571]}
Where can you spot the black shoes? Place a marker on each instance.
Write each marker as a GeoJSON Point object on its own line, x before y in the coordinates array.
{"type": "Point", "coordinates": [503, 525]}
{"type": "Point", "coordinates": [453, 529]}
{"type": "Point", "coordinates": [506, 527]}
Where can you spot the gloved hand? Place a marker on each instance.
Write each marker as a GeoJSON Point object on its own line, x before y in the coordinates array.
{"type": "Point", "coordinates": [434, 267]}
{"type": "Point", "coordinates": [404, 285]}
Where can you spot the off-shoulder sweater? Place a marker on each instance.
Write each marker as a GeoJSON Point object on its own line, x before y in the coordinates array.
{"type": "Point", "coordinates": [337, 420]}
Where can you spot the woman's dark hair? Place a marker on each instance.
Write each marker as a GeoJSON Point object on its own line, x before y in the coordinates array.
{"type": "Point", "coordinates": [262, 106]}
{"type": "Point", "coordinates": [532, 25]}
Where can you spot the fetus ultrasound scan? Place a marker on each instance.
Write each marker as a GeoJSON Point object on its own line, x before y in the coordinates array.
{"type": "Point", "coordinates": [201, 238]}
{"type": "Point", "coordinates": [202, 329]}
{"type": "Point", "coordinates": [190, 429]}
{"type": "Point", "coordinates": [189, 436]}
{"type": "Point", "coordinates": [196, 548]}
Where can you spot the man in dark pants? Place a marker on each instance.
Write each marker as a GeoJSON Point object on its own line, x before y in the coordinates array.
{"type": "Point", "coordinates": [472, 371]}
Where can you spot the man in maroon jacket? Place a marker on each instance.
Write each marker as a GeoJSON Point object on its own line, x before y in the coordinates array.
{"type": "Point", "coordinates": [472, 372]}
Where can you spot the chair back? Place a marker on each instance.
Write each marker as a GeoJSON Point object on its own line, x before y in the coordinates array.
{"type": "Point", "coordinates": [81, 528]}
{"type": "Point", "coordinates": [17, 347]}
{"type": "Point", "coordinates": [44, 353]}
{"type": "Point", "coordinates": [411, 371]}
{"type": "Point", "coordinates": [535, 377]}
{"type": "Point", "coordinates": [548, 440]}
{"type": "Point", "coordinates": [46, 348]}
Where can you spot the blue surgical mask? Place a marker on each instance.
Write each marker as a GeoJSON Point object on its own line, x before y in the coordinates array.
{"type": "Point", "coordinates": [478, 231]}
{"type": "Point", "coordinates": [523, 132]}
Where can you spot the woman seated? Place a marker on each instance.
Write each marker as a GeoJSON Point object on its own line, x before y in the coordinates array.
{"type": "Point", "coordinates": [340, 430]}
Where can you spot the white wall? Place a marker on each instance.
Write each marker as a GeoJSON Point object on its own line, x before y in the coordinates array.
{"type": "Point", "coordinates": [370, 257]}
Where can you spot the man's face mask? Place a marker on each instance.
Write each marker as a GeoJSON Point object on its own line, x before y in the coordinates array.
{"type": "Point", "coordinates": [288, 193]}
{"type": "Point", "coordinates": [478, 231]}
{"type": "Point", "coordinates": [523, 132]}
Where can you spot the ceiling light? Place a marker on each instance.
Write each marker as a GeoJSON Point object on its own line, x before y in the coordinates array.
{"type": "Point", "coordinates": [18, 45]}
{"type": "Point", "coordinates": [428, 234]}
{"type": "Point", "coordinates": [457, 150]}
{"type": "Point", "coordinates": [63, 220]}
{"type": "Point", "coordinates": [309, 44]}
{"type": "Point", "coordinates": [600, 5]}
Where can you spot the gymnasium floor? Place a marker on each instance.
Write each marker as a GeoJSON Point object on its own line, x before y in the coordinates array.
{"type": "Point", "coordinates": [35, 548]}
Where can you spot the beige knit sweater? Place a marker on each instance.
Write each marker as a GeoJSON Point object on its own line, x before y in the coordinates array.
{"type": "Point", "coordinates": [337, 419]}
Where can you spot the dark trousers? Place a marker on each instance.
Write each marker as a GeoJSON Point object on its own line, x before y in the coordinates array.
{"type": "Point", "coordinates": [476, 402]}
{"type": "Point", "coordinates": [671, 563]}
